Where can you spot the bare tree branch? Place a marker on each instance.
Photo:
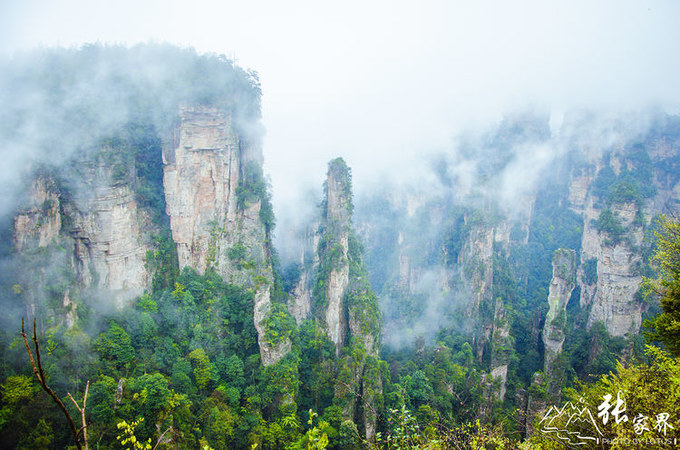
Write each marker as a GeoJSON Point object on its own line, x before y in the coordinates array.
{"type": "Point", "coordinates": [160, 438]}
{"type": "Point", "coordinates": [81, 410]}
{"type": "Point", "coordinates": [40, 375]}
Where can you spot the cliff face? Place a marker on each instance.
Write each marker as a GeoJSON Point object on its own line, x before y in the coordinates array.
{"type": "Point", "coordinates": [451, 256]}
{"type": "Point", "coordinates": [493, 342]}
{"type": "Point", "coordinates": [213, 191]}
{"type": "Point", "coordinates": [501, 343]}
{"type": "Point", "coordinates": [104, 235]}
{"type": "Point", "coordinates": [337, 223]}
{"type": "Point", "coordinates": [300, 306]}
{"type": "Point", "coordinates": [614, 224]}
{"type": "Point", "coordinates": [476, 260]}
{"type": "Point", "coordinates": [110, 235]}
{"type": "Point", "coordinates": [214, 195]}
{"type": "Point", "coordinates": [333, 289]}
{"type": "Point", "coordinates": [561, 286]}
{"type": "Point", "coordinates": [201, 172]}
{"type": "Point", "coordinates": [324, 283]}
{"type": "Point", "coordinates": [442, 272]}
{"type": "Point", "coordinates": [38, 224]}
{"type": "Point", "coordinates": [612, 298]}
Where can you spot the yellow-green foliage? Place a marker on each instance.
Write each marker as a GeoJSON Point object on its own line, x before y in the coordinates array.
{"type": "Point", "coordinates": [15, 389]}
{"type": "Point", "coordinates": [279, 324]}
{"type": "Point", "coordinates": [203, 369]}
{"type": "Point", "coordinates": [667, 260]}
{"type": "Point", "coordinates": [646, 390]}
{"type": "Point", "coordinates": [316, 439]}
{"type": "Point", "coordinates": [404, 432]}
{"type": "Point", "coordinates": [127, 437]}
{"type": "Point", "coordinates": [667, 255]}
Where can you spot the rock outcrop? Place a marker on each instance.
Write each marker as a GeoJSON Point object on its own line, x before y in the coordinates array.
{"type": "Point", "coordinates": [110, 234]}
{"type": "Point", "coordinates": [38, 224]}
{"type": "Point", "coordinates": [214, 192]}
{"type": "Point", "coordinates": [325, 280]}
{"type": "Point", "coordinates": [202, 170]}
{"type": "Point", "coordinates": [337, 222]}
{"type": "Point", "coordinates": [215, 197]}
{"type": "Point", "coordinates": [502, 348]}
{"type": "Point", "coordinates": [476, 260]}
{"type": "Point", "coordinates": [301, 306]}
{"type": "Point", "coordinates": [333, 289]}
{"type": "Point", "coordinates": [561, 286]}
{"type": "Point", "coordinates": [612, 299]}
{"type": "Point", "coordinates": [104, 237]}
{"type": "Point", "coordinates": [493, 341]}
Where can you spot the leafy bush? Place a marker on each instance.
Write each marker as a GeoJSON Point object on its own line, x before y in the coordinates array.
{"type": "Point", "coordinates": [590, 271]}
{"type": "Point", "coordinates": [279, 324]}
{"type": "Point", "coordinates": [610, 223]}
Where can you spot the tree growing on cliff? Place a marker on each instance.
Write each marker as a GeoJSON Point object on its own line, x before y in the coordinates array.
{"type": "Point", "coordinates": [666, 326]}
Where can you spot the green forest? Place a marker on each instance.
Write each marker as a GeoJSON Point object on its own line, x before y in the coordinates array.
{"type": "Point", "coordinates": [181, 366]}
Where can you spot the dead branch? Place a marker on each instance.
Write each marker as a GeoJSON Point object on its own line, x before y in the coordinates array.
{"type": "Point", "coordinates": [160, 438]}
{"type": "Point", "coordinates": [42, 380]}
{"type": "Point", "coordinates": [81, 410]}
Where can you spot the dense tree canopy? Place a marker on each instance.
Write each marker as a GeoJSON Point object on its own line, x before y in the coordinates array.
{"type": "Point", "coordinates": [666, 326]}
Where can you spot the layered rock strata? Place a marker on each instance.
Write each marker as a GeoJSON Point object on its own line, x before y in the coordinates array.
{"type": "Point", "coordinates": [561, 286]}
{"type": "Point", "coordinates": [210, 174]}
{"type": "Point", "coordinates": [104, 236]}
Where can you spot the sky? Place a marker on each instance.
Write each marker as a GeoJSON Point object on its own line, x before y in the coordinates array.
{"type": "Point", "coordinates": [383, 82]}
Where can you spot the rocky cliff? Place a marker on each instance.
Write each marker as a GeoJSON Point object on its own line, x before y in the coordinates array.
{"type": "Point", "coordinates": [301, 305]}
{"type": "Point", "coordinates": [214, 192]}
{"type": "Point", "coordinates": [324, 284]}
{"type": "Point", "coordinates": [476, 260]}
{"type": "Point", "coordinates": [110, 234]}
{"type": "Point", "coordinates": [202, 170]}
{"type": "Point", "coordinates": [97, 229]}
{"type": "Point", "coordinates": [336, 242]}
{"type": "Point", "coordinates": [38, 223]}
{"type": "Point", "coordinates": [493, 342]}
{"type": "Point", "coordinates": [615, 220]}
{"type": "Point", "coordinates": [612, 298]}
{"type": "Point", "coordinates": [561, 286]}
{"type": "Point", "coordinates": [333, 289]}
{"type": "Point", "coordinates": [215, 199]}
{"type": "Point", "coordinates": [458, 261]}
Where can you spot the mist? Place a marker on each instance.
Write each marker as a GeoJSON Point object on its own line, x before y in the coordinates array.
{"type": "Point", "coordinates": [408, 95]}
{"type": "Point", "coordinates": [382, 83]}
{"type": "Point", "coordinates": [54, 112]}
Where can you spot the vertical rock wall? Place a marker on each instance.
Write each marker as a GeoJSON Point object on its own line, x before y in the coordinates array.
{"type": "Point", "coordinates": [561, 286]}
{"type": "Point", "coordinates": [343, 303]}
{"type": "Point", "coordinates": [38, 224]}
{"type": "Point", "coordinates": [476, 260]}
{"type": "Point", "coordinates": [214, 222]}
{"type": "Point", "coordinates": [202, 167]}
{"type": "Point", "coordinates": [613, 299]}
{"type": "Point", "coordinates": [110, 235]}
{"type": "Point", "coordinates": [610, 291]}
{"type": "Point", "coordinates": [502, 344]}
{"type": "Point", "coordinates": [324, 281]}
{"type": "Point", "coordinates": [301, 305]}
{"type": "Point", "coordinates": [337, 223]}
{"type": "Point", "coordinates": [105, 237]}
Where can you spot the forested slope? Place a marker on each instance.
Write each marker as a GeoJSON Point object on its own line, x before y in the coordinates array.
{"type": "Point", "coordinates": [138, 234]}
